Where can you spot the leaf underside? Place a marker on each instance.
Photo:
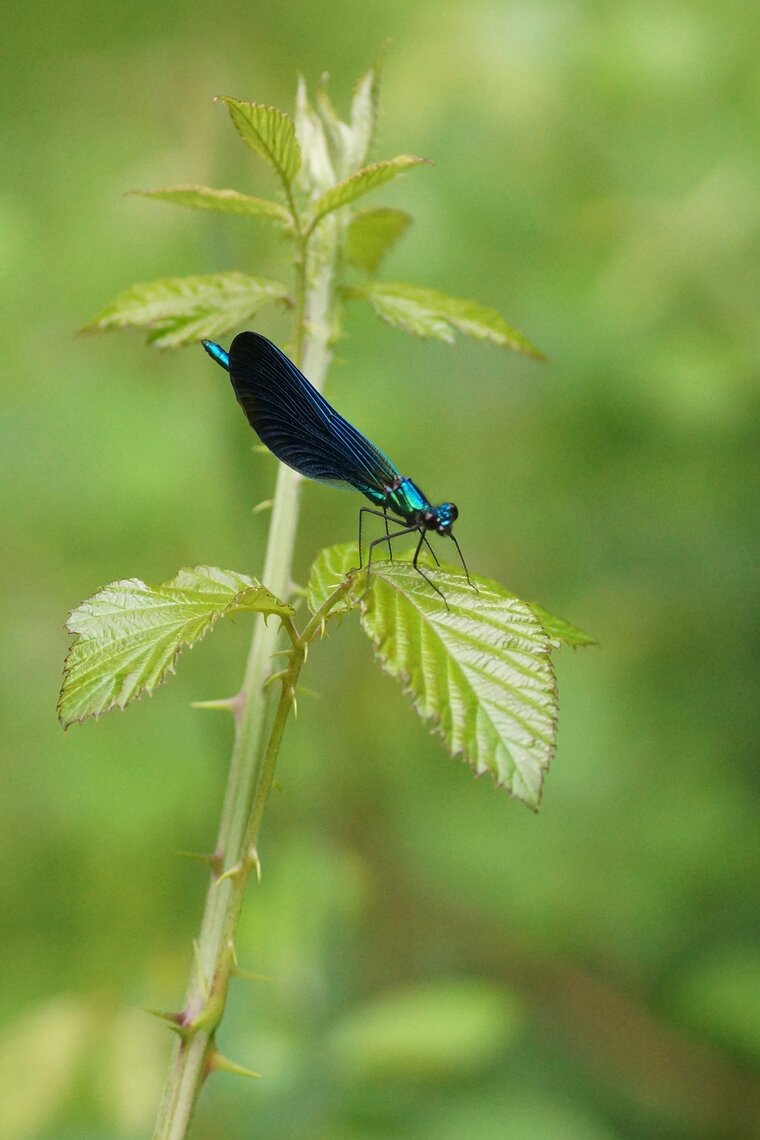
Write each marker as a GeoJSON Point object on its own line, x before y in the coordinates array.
{"type": "Point", "coordinates": [480, 670]}
{"type": "Point", "coordinates": [222, 201]}
{"type": "Point", "coordinates": [129, 634]}
{"type": "Point", "coordinates": [334, 149]}
{"type": "Point", "coordinates": [182, 310]}
{"type": "Point", "coordinates": [321, 139]}
{"type": "Point", "coordinates": [434, 315]}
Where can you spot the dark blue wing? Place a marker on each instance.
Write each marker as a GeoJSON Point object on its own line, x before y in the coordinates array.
{"type": "Point", "coordinates": [297, 423]}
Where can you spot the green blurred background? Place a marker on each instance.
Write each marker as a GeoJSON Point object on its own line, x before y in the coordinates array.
{"type": "Point", "coordinates": [441, 963]}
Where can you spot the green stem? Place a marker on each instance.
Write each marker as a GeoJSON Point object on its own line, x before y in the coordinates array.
{"type": "Point", "coordinates": [254, 754]}
{"type": "Point", "coordinates": [299, 308]}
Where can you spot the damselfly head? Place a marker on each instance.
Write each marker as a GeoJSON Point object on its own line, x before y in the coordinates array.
{"type": "Point", "coordinates": [440, 519]}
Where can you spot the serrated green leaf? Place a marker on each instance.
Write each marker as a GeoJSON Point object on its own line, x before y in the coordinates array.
{"type": "Point", "coordinates": [180, 310]}
{"type": "Point", "coordinates": [480, 669]}
{"type": "Point", "coordinates": [129, 634]}
{"type": "Point", "coordinates": [372, 233]}
{"type": "Point", "coordinates": [334, 562]}
{"type": "Point", "coordinates": [270, 132]}
{"type": "Point", "coordinates": [404, 312]}
{"type": "Point", "coordinates": [560, 630]}
{"type": "Point", "coordinates": [360, 183]}
{"type": "Point", "coordinates": [430, 313]}
{"type": "Point", "coordinates": [223, 201]}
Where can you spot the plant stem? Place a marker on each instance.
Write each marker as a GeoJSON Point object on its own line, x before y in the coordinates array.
{"type": "Point", "coordinates": [254, 755]}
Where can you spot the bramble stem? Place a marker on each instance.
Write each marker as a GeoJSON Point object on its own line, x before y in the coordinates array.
{"type": "Point", "coordinates": [254, 753]}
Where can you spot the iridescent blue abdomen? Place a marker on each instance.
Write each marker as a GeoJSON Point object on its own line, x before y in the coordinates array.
{"type": "Point", "coordinates": [217, 353]}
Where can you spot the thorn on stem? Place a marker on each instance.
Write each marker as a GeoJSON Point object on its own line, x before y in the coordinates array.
{"type": "Point", "coordinates": [217, 1062]}
{"type": "Point", "coordinates": [233, 705]}
{"type": "Point", "coordinates": [213, 861]}
{"type": "Point", "coordinates": [175, 1019]}
{"type": "Point", "coordinates": [232, 872]}
{"type": "Point", "coordinates": [254, 862]}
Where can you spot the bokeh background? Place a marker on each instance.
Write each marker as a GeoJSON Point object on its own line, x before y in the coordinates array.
{"type": "Point", "coordinates": [440, 962]}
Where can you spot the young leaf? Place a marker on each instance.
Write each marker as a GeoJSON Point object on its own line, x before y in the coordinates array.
{"type": "Point", "coordinates": [430, 313]}
{"type": "Point", "coordinates": [338, 134]}
{"type": "Point", "coordinates": [356, 185]}
{"type": "Point", "coordinates": [224, 201]}
{"type": "Point", "coordinates": [317, 172]}
{"type": "Point", "coordinates": [271, 133]}
{"type": "Point", "coordinates": [130, 634]}
{"type": "Point", "coordinates": [364, 115]}
{"type": "Point", "coordinates": [184, 309]}
{"type": "Point", "coordinates": [372, 233]}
